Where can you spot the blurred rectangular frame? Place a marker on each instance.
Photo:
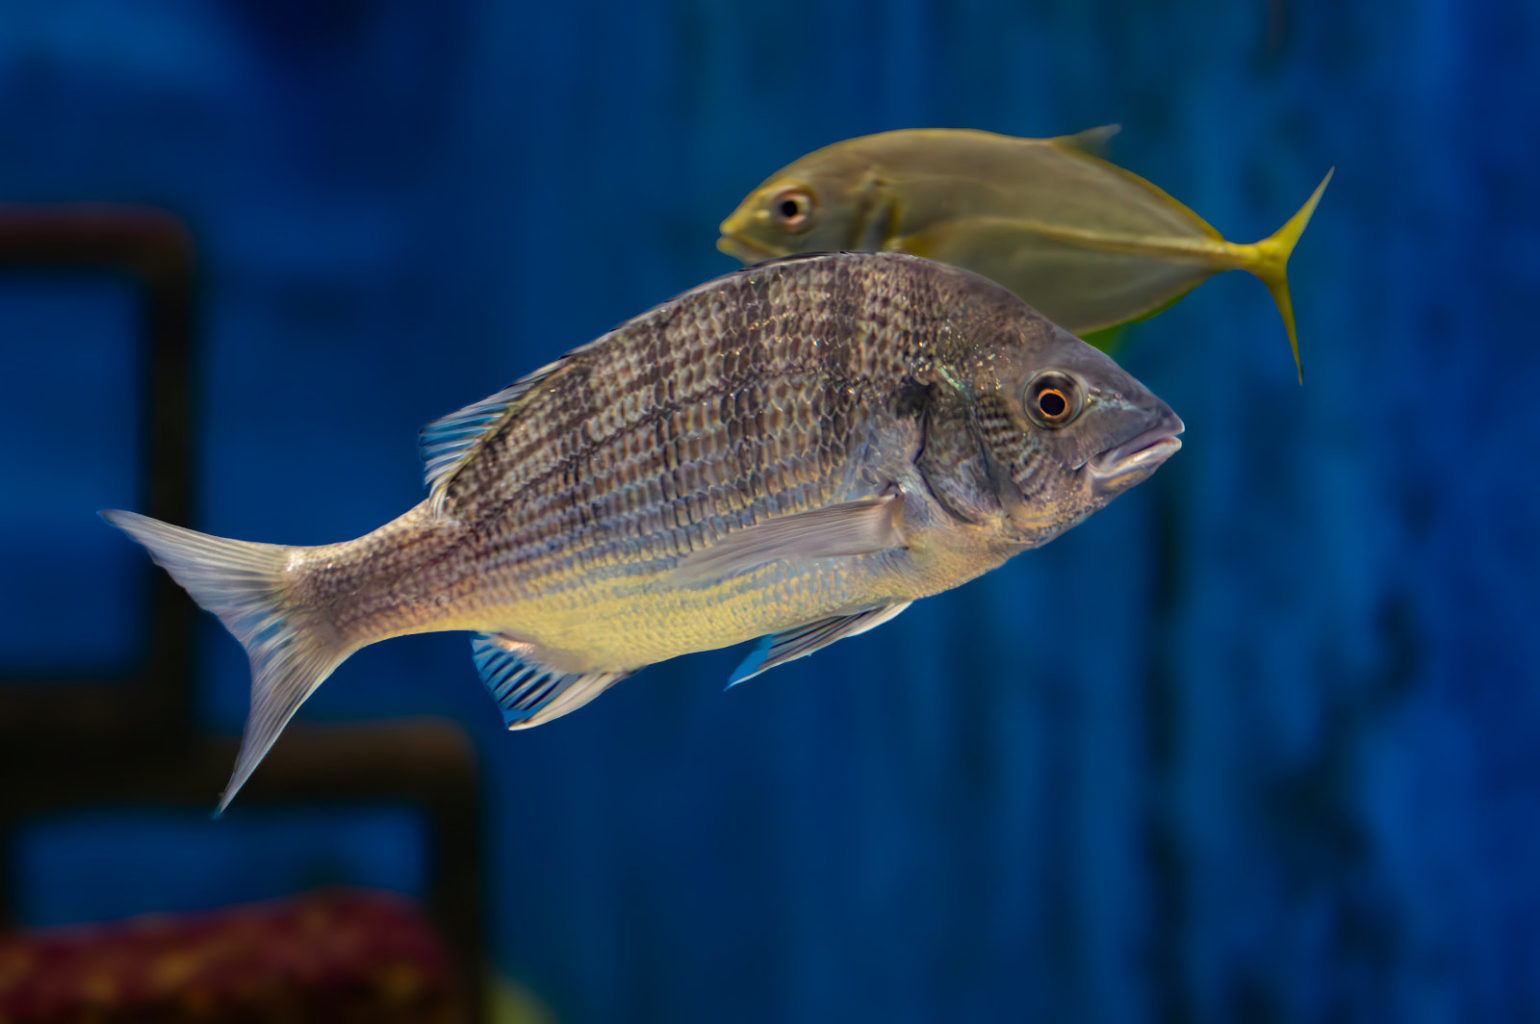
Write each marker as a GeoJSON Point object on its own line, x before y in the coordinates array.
{"type": "Point", "coordinates": [65, 739]}
{"type": "Point", "coordinates": [149, 703]}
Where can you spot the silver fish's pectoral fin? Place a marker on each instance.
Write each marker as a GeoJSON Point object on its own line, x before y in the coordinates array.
{"type": "Point", "coordinates": [804, 640]}
{"type": "Point", "coordinates": [447, 444]}
{"type": "Point", "coordinates": [853, 528]}
{"type": "Point", "coordinates": [528, 691]}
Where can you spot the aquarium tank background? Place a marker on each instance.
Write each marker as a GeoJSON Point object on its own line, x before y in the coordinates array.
{"type": "Point", "coordinates": [1258, 742]}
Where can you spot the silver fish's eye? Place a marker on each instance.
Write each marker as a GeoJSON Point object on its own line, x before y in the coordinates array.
{"type": "Point", "coordinates": [1053, 399]}
{"type": "Point", "coordinates": [792, 209]}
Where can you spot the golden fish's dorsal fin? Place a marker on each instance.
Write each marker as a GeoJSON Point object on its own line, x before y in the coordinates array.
{"type": "Point", "coordinates": [1092, 141]}
{"type": "Point", "coordinates": [447, 444]}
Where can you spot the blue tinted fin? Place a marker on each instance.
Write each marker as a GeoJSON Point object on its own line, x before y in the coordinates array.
{"type": "Point", "coordinates": [292, 646]}
{"type": "Point", "coordinates": [447, 444]}
{"type": "Point", "coordinates": [853, 528]}
{"type": "Point", "coordinates": [804, 640]}
{"type": "Point", "coordinates": [529, 692]}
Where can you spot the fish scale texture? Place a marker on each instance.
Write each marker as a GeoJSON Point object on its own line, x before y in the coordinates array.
{"type": "Point", "coordinates": [1256, 743]}
{"type": "Point", "coordinates": [768, 392]}
{"type": "Point", "coordinates": [745, 396]}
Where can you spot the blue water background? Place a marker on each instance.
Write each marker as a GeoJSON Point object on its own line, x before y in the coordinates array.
{"type": "Point", "coordinates": [1259, 742]}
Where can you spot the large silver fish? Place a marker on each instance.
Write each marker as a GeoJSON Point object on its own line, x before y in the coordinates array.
{"type": "Point", "coordinates": [795, 451]}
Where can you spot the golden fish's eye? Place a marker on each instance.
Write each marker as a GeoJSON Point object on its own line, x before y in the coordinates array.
{"type": "Point", "coordinates": [792, 209]}
{"type": "Point", "coordinates": [1053, 399]}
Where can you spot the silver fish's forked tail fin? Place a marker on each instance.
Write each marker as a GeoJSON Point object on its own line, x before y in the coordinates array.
{"type": "Point", "coordinates": [245, 585]}
{"type": "Point", "coordinates": [1271, 262]}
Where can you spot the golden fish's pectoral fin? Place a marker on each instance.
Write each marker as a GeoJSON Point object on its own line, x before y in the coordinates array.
{"type": "Point", "coordinates": [780, 648]}
{"type": "Point", "coordinates": [447, 444]}
{"type": "Point", "coordinates": [878, 225]}
{"type": "Point", "coordinates": [852, 528]}
{"type": "Point", "coordinates": [528, 691]}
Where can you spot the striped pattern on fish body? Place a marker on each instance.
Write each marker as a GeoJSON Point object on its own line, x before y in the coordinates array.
{"type": "Point", "coordinates": [767, 393]}
{"type": "Point", "coordinates": [795, 451]}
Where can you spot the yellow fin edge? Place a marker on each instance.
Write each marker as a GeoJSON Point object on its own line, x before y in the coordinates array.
{"type": "Point", "coordinates": [1270, 259]}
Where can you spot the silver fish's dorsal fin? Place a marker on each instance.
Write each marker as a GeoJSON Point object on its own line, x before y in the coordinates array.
{"type": "Point", "coordinates": [780, 648]}
{"type": "Point", "coordinates": [853, 528]}
{"type": "Point", "coordinates": [529, 692]}
{"type": "Point", "coordinates": [447, 444]}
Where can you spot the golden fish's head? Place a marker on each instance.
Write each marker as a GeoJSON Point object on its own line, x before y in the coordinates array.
{"type": "Point", "coordinates": [1063, 429]}
{"type": "Point", "coordinates": [826, 202]}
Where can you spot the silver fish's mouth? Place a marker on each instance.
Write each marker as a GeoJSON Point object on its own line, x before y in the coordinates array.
{"type": "Point", "coordinates": [1137, 457]}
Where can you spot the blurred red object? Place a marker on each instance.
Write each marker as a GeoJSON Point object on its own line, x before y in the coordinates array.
{"type": "Point", "coordinates": [327, 956]}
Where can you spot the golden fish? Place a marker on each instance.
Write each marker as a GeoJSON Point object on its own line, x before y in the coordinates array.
{"type": "Point", "coordinates": [795, 451]}
{"type": "Point", "coordinates": [1086, 243]}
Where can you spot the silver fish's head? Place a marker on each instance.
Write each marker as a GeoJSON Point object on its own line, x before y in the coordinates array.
{"type": "Point", "coordinates": [825, 202]}
{"type": "Point", "coordinates": [1063, 429]}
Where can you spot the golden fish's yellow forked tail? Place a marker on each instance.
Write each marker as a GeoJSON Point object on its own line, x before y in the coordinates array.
{"type": "Point", "coordinates": [292, 650]}
{"type": "Point", "coordinates": [1269, 261]}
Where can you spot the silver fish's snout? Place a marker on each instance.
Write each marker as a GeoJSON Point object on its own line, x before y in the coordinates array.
{"type": "Point", "coordinates": [1132, 461]}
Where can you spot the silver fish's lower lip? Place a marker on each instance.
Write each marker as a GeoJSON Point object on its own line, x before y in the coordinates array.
{"type": "Point", "coordinates": [1142, 453]}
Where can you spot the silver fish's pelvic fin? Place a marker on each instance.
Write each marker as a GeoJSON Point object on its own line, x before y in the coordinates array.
{"type": "Point", "coordinates": [804, 640]}
{"type": "Point", "coordinates": [854, 528]}
{"type": "Point", "coordinates": [528, 692]}
{"type": "Point", "coordinates": [244, 584]}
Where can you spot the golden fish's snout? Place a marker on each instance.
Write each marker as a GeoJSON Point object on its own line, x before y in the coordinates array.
{"type": "Point", "coordinates": [741, 249]}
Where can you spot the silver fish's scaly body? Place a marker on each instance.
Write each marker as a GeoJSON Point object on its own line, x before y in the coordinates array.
{"type": "Point", "coordinates": [765, 395]}
{"type": "Point", "coordinates": [795, 451]}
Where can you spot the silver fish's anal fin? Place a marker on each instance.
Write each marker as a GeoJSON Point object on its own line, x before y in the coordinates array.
{"type": "Point", "coordinates": [804, 640]}
{"type": "Point", "coordinates": [245, 584]}
{"type": "Point", "coordinates": [529, 692]}
{"type": "Point", "coordinates": [853, 528]}
{"type": "Point", "coordinates": [1092, 141]}
{"type": "Point", "coordinates": [447, 444]}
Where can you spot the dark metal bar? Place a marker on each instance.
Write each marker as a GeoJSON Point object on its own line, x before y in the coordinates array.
{"type": "Point", "coordinates": [151, 702]}
{"type": "Point", "coordinates": [71, 743]}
